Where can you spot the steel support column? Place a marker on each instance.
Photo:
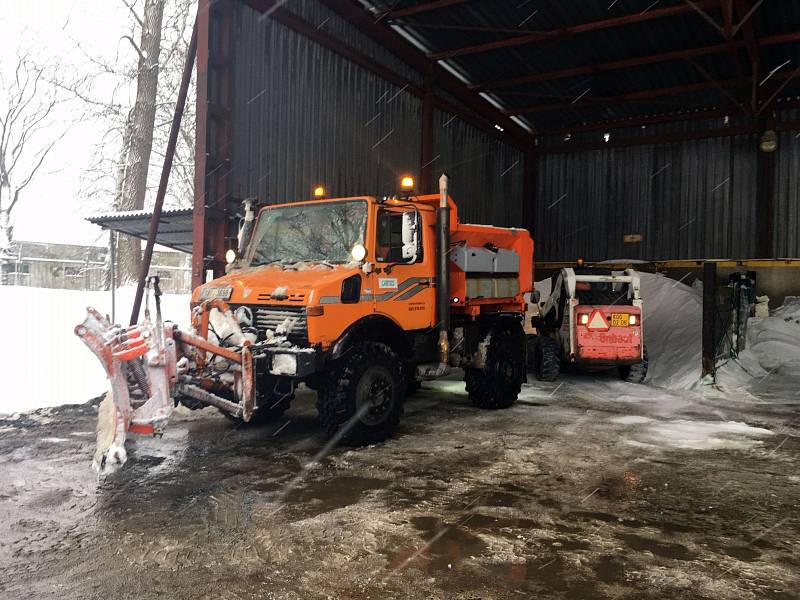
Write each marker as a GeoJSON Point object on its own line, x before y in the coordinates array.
{"type": "Point", "coordinates": [765, 198]}
{"type": "Point", "coordinates": [426, 183]}
{"type": "Point", "coordinates": [529, 208]}
{"type": "Point", "coordinates": [215, 23]}
{"type": "Point", "coordinates": [709, 359]}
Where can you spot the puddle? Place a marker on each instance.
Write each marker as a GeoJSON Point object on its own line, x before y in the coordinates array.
{"type": "Point", "coordinates": [610, 569]}
{"type": "Point", "coordinates": [743, 553]}
{"type": "Point", "coordinates": [441, 548]}
{"type": "Point", "coordinates": [480, 521]}
{"type": "Point", "coordinates": [662, 549]}
{"type": "Point", "coordinates": [323, 496]}
{"type": "Point", "coordinates": [548, 574]}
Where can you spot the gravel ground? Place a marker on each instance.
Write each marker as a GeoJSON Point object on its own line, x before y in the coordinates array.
{"type": "Point", "coordinates": [586, 488]}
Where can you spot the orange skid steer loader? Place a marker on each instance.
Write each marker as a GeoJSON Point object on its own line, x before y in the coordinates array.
{"type": "Point", "coordinates": [359, 298]}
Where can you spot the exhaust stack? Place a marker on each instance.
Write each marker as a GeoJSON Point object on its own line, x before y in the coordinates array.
{"type": "Point", "coordinates": [442, 272]}
{"type": "Point", "coordinates": [247, 227]}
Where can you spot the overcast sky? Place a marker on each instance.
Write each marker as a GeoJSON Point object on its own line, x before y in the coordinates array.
{"type": "Point", "coordinates": [52, 208]}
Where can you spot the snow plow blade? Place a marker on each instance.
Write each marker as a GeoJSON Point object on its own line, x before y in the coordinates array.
{"type": "Point", "coordinates": [141, 363]}
{"type": "Point", "coordinates": [153, 366]}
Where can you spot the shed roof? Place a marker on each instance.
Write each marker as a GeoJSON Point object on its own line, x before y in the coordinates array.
{"type": "Point", "coordinates": [174, 227]}
{"type": "Point", "coordinates": [556, 63]}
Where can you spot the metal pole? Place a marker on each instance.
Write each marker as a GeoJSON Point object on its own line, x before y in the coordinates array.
{"type": "Point", "coordinates": [112, 249]}
{"type": "Point", "coordinates": [165, 171]}
{"type": "Point", "coordinates": [709, 319]}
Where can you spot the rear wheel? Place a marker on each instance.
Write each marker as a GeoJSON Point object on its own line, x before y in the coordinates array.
{"type": "Point", "coordinates": [635, 373]}
{"type": "Point", "coordinates": [546, 358]}
{"type": "Point", "coordinates": [498, 384]}
{"type": "Point", "coordinates": [362, 399]}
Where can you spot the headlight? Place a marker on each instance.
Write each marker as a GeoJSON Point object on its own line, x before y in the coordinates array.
{"type": "Point", "coordinates": [584, 319]}
{"type": "Point", "coordinates": [284, 364]}
{"type": "Point", "coordinates": [631, 319]}
{"type": "Point", "coordinates": [216, 293]}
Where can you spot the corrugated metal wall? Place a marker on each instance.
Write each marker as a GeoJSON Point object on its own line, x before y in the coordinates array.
{"type": "Point", "coordinates": [691, 199]}
{"type": "Point", "coordinates": [787, 191]}
{"type": "Point", "coordinates": [485, 174]}
{"type": "Point", "coordinates": [304, 115]}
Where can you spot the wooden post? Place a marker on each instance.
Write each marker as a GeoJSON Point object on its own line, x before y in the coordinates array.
{"type": "Point", "coordinates": [709, 319]}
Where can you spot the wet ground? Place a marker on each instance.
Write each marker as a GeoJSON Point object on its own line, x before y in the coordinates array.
{"type": "Point", "coordinates": [587, 488]}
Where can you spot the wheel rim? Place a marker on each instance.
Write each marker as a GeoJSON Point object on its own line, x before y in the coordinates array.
{"type": "Point", "coordinates": [504, 368]}
{"type": "Point", "coordinates": [375, 395]}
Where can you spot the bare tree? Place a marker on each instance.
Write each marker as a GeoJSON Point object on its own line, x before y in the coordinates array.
{"type": "Point", "coordinates": [142, 123]}
{"type": "Point", "coordinates": [28, 131]}
{"type": "Point", "coordinates": [119, 176]}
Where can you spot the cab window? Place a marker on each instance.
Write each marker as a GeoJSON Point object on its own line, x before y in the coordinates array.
{"type": "Point", "coordinates": [390, 237]}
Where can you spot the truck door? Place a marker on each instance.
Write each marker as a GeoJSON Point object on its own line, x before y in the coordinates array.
{"type": "Point", "coordinates": [404, 268]}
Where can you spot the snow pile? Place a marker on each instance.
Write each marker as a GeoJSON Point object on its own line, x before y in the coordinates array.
{"type": "Point", "coordinates": [42, 362]}
{"type": "Point", "coordinates": [773, 346]}
{"type": "Point", "coordinates": [673, 324]}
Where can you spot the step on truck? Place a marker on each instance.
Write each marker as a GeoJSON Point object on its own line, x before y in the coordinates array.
{"type": "Point", "coordinates": [360, 299]}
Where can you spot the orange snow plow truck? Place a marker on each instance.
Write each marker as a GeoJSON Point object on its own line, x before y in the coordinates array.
{"type": "Point", "coordinates": [361, 299]}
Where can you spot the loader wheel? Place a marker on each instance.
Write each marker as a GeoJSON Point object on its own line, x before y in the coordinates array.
{"type": "Point", "coordinates": [635, 373]}
{"type": "Point", "coordinates": [362, 399]}
{"type": "Point", "coordinates": [498, 384]}
{"type": "Point", "coordinates": [546, 358]}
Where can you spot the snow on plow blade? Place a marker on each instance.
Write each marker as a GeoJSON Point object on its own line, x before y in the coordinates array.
{"type": "Point", "coordinates": [141, 363]}
{"type": "Point", "coordinates": [153, 365]}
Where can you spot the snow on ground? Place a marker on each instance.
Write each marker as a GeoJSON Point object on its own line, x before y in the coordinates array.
{"type": "Point", "coordinates": [42, 362]}
{"type": "Point", "coordinates": [772, 349]}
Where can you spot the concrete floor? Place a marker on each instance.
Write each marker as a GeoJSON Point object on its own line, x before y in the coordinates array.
{"type": "Point", "coordinates": [586, 488]}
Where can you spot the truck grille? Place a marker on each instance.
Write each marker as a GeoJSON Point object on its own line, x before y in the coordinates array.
{"type": "Point", "coordinates": [271, 316]}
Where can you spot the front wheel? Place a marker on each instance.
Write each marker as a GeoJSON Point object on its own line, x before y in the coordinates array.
{"type": "Point", "coordinates": [499, 382]}
{"type": "Point", "coordinates": [362, 399]}
{"type": "Point", "coordinates": [546, 358]}
{"type": "Point", "coordinates": [635, 373]}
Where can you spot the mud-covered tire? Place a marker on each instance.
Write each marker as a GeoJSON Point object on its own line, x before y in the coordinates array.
{"type": "Point", "coordinates": [546, 360]}
{"type": "Point", "coordinates": [635, 373]}
{"type": "Point", "coordinates": [498, 384]}
{"type": "Point", "coordinates": [362, 399]}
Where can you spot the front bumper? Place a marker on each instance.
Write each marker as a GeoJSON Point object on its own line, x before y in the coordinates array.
{"type": "Point", "coordinates": [294, 361]}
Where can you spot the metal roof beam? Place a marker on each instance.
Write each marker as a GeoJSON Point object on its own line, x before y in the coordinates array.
{"type": "Point", "coordinates": [356, 15]}
{"type": "Point", "coordinates": [632, 62]}
{"type": "Point", "coordinates": [609, 66]}
{"type": "Point", "coordinates": [567, 32]}
{"type": "Point", "coordinates": [681, 136]}
{"type": "Point", "coordinates": [420, 8]}
{"type": "Point", "coordinates": [634, 96]}
{"type": "Point", "coordinates": [639, 122]}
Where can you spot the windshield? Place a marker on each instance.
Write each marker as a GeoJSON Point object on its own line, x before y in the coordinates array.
{"type": "Point", "coordinates": [324, 232]}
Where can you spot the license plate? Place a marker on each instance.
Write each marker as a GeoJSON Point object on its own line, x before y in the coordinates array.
{"type": "Point", "coordinates": [619, 320]}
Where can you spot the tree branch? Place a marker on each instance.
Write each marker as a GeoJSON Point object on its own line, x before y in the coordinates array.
{"type": "Point", "coordinates": [135, 47]}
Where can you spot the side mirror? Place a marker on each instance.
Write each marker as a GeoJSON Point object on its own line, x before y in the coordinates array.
{"type": "Point", "coordinates": [410, 236]}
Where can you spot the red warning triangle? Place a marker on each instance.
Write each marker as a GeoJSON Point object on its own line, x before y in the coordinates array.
{"type": "Point", "coordinates": [597, 321]}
